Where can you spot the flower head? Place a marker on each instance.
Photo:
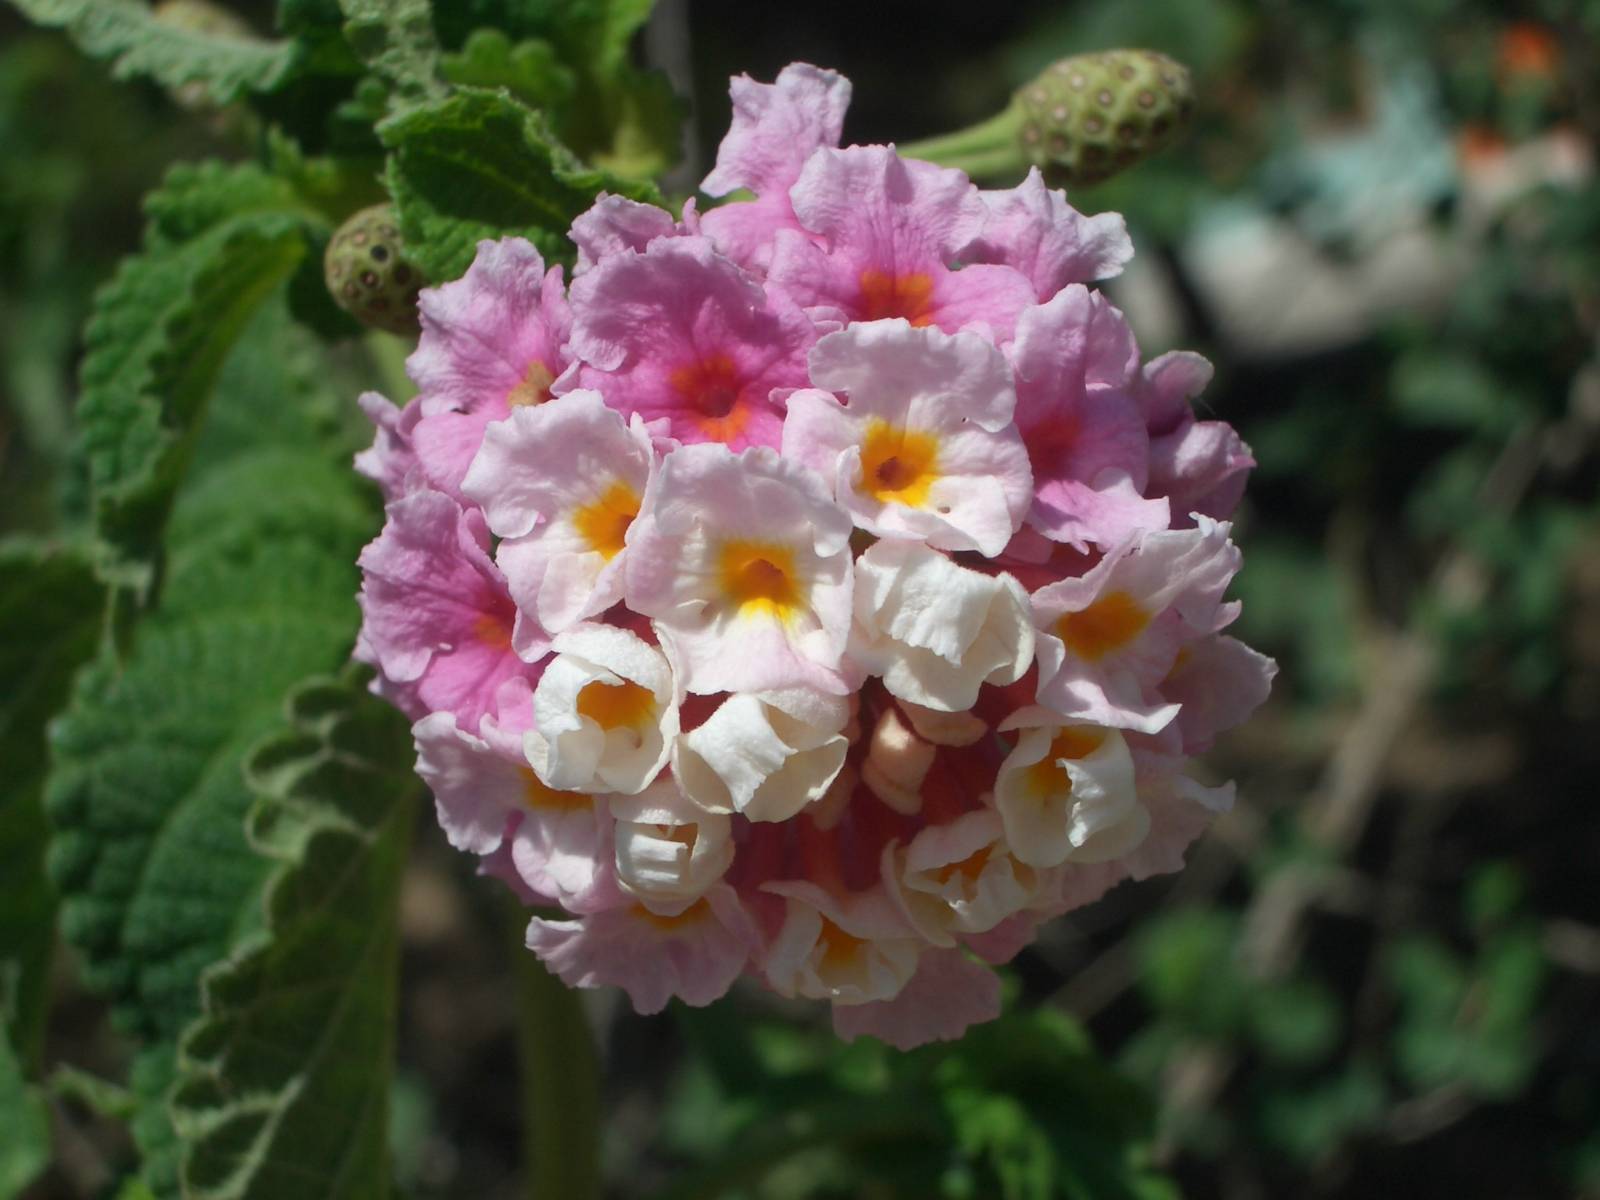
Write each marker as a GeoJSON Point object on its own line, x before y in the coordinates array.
{"type": "Point", "coordinates": [819, 590]}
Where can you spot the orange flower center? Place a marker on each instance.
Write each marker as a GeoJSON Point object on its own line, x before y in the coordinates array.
{"type": "Point", "coordinates": [898, 464]}
{"type": "Point", "coordinates": [616, 705]}
{"type": "Point", "coordinates": [1108, 624]}
{"type": "Point", "coordinates": [886, 295]}
{"type": "Point", "coordinates": [712, 389]}
{"type": "Point", "coordinates": [603, 522]}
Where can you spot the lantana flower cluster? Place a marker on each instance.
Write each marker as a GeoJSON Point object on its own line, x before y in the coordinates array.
{"type": "Point", "coordinates": [818, 589]}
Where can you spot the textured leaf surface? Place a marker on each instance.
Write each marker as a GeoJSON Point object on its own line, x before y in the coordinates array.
{"type": "Point", "coordinates": [147, 793]}
{"type": "Point", "coordinates": [482, 165]}
{"type": "Point", "coordinates": [49, 621]}
{"type": "Point", "coordinates": [395, 38]}
{"type": "Point", "coordinates": [128, 34]}
{"type": "Point", "coordinates": [284, 1082]}
{"type": "Point", "coordinates": [220, 241]}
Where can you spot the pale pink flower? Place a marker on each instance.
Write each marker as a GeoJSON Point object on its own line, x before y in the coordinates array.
{"type": "Point", "coordinates": [694, 955]}
{"type": "Point", "coordinates": [925, 447]}
{"type": "Point", "coordinates": [560, 484]}
{"type": "Point", "coordinates": [617, 225]}
{"type": "Point", "coordinates": [948, 995]}
{"type": "Point", "coordinates": [1107, 638]}
{"type": "Point", "coordinates": [391, 460]}
{"type": "Point", "coordinates": [743, 562]}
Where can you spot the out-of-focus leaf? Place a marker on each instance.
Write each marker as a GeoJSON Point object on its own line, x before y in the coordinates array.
{"type": "Point", "coordinates": [1295, 1021]}
{"type": "Point", "coordinates": [1309, 1122]}
{"type": "Point", "coordinates": [25, 1145]}
{"type": "Point", "coordinates": [139, 43]}
{"type": "Point", "coordinates": [217, 247]}
{"type": "Point", "coordinates": [530, 70]}
{"type": "Point", "coordinates": [50, 606]}
{"type": "Point", "coordinates": [1452, 391]}
{"type": "Point", "coordinates": [1188, 972]}
{"type": "Point", "coordinates": [395, 39]}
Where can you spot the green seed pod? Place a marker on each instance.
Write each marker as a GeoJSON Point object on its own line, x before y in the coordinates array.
{"type": "Point", "coordinates": [368, 274]}
{"type": "Point", "coordinates": [1090, 116]}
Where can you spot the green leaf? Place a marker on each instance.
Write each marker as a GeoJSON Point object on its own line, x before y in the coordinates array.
{"type": "Point", "coordinates": [139, 43]}
{"type": "Point", "coordinates": [147, 794]}
{"type": "Point", "coordinates": [482, 165]}
{"type": "Point", "coordinates": [218, 245]}
{"type": "Point", "coordinates": [531, 70]}
{"type": "Point", "coordinates": [25, 1145]}
{"type": "Point", "coordinates": [283, 1082]}
{"type": "Point", "coordinates": [49, 624]}
{"type": "Point", "coordinates": [396, 39]}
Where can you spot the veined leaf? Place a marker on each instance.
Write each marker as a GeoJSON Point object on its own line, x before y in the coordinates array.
{"type": "Point", "coordinates": [147, 792]}
{"type": "Point", "coordinates": [482, 165]}
{"type": "Point", "coordinates": [220, 242]}
{"type": "Point", "coordinates": [139, 43]}
{"type": "Point", "coordinates": [49, 622]}
{"type": "Point", "coordinates": [284, 1080]}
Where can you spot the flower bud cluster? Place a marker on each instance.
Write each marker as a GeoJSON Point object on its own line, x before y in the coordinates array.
{"type": "Point", "coordinates": [819, 589]}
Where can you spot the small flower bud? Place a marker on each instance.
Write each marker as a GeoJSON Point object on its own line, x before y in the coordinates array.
{"type": "Point", "coordinates": [368, 273]}
{"type": "Point", "coordinates": [1090, 116]}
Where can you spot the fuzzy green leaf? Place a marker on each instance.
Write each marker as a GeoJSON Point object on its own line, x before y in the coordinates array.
{"type": "Point", "coordinates": [139, 43]}
{"type": "Point", "coordinates": [283, 1082]}
{"type": "Point", "coordinates": [220, 241]}
{"type": "Point", "coordinates": [482, 165]}
{"type": "Point", "coordinates": [395, 39]}
{"type": "Point", "coordinates": [147, 792]}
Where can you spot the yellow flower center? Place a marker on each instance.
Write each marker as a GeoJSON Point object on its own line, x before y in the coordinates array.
{"type": "Point", "coordinates": [759, 577]}
{"type": "Point", "coordinates": [839, 949]}
{"type": "Point", "coordinates": [616, 705]}
{"type": "Point", "coordinates": [1108, 624]}
{"type": "Point", "coordinates": [1047, 778]}
{"type": "Point", "coordinates": [898, 464]}
{"type": "Point", "coordinates": [969, 868]}
{"type": "Point", "coordinates": [603, 522]}
{"type": "Point", "coordinates": [533, 388]}
{"type": "Point", "coordinates": [539, 795]}
{"type": "Point", "coordinates": [712, 390]}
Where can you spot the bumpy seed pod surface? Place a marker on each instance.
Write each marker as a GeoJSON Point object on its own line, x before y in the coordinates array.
{"type": "Point", "coordinates": [1092, 115]}
{"type": "Point", "coordinates": [368, 274]}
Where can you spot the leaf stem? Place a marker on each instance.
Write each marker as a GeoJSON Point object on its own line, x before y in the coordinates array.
{"type": "Point", "coordinates": [560, 1086]}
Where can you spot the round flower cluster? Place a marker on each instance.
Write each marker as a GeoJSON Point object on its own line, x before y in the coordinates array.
{"type": "Point", "coordinates": [818, 589]}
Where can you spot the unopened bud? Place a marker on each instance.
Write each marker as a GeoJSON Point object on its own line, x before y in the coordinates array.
{"type": "Point", "coordinates": [368, 274]}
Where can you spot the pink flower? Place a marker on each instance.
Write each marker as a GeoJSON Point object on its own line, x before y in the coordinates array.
{"type": "Point", "coordinates": [775, 128]}
{"type": "Point", "coordinates": [1034, 229]}
{"type": "Point", "coordinates": [694, 955]}
{"type": "Point", "coordinates": [491, 341]}
{"type": "Point", "coordinates": [879, 236]}
{"type": "Point", "coordinates": [681, 333]}
{"type": "Point", "coordinates": [436, 612]}
{"type": "Point", "coordinates": [856, 601]}
{"type": "Point", "coordinates": [1074, 359]}
{"type": "Point", "coordinates": [1201, 465]}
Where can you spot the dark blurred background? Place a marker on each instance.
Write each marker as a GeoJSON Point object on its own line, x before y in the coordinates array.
{"type": "Point", "coordinates": [1381, 974]}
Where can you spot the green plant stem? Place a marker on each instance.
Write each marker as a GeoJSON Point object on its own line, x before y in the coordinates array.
{"type": "Point", "coordinates": [987, 149]}
{"type": "Point", "coordinates": [388, 354]}
{"type": "Point", "coordinates": [560, 1085]}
